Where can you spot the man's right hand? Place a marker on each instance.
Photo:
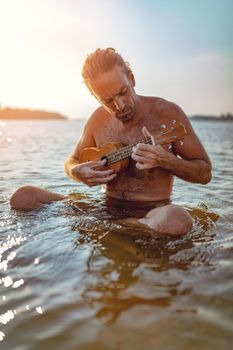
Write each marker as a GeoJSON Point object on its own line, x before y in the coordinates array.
{"type": "Point", "coordinates": [88, 174]}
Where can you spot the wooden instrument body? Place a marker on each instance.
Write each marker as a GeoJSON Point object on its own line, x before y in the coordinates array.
{"type": "Point", "coordinates": [117, 154]}
{"type": "Point", "coordinates": [94, 153]}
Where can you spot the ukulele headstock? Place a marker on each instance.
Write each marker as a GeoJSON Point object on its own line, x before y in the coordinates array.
{"type": "Point", "coordinates": [175, 133]}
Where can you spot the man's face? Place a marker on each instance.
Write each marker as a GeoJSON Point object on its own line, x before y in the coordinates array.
{"type": "Point", "coordinates": [115, 91]}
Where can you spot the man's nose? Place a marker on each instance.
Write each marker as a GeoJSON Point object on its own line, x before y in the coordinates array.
{"type": "Point", "coordinates": [119, 103]}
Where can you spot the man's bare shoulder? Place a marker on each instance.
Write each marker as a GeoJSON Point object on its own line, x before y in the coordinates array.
{"type": "Point", "coordinates": [152, 101]}
{"type": "Point", "coordinates": [98, 116]}
{"type": "Point", "coordinates": [168, 111]}
{"type": "Point", "coordinates": [159, 105]}
{"type": "Point", "coordinates": [165, 108]}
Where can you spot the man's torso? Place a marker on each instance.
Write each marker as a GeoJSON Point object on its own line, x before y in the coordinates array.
{"type": "Point", "coordinates": [134, 184]}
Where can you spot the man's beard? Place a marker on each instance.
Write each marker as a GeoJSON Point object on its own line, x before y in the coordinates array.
{"type": "Point", "coordinates": [125, 115]}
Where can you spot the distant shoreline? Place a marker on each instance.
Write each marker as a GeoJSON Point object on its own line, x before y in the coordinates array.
{"type": "Point", "coordinates": [222, 118]}
{"type": "Point", "coordinates": [30, 115]}
{"type": "Point", "coordinates": [19, 114]}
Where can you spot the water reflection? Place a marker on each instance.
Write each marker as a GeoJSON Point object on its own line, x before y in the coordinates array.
{"type": "Point", "coordinates": [127, 268]}
{"type": "Point", "coordinates": [84, 281]}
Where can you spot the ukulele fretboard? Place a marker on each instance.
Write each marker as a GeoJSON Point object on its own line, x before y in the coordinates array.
{"type": "Point", "coordinates": [124, 152]}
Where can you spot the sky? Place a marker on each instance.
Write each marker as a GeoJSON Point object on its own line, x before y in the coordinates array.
{"type": "Point", "coordinates": [181, 50]}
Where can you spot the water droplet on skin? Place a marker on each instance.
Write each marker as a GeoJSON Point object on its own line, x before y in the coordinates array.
{"type": "Point", "coordinates": [163, 126]}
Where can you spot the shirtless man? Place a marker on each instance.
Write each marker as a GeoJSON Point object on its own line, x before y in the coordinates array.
{"type": "Point", "coordinates": [125, 117]}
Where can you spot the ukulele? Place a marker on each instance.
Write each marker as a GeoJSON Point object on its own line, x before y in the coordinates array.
{"type": "Point", "coordinates": [116, 154]}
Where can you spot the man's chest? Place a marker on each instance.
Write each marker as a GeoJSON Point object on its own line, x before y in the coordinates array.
{"type": "Point", "coordinates": [112, 131]}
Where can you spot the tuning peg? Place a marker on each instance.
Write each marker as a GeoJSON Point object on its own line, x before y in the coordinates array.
{"type": "Point", "coordinates": [174, 122]}
{"type": "Point", "coordinates": [170, 146]}
{"type": "Point", "coordinates": [181, 142]}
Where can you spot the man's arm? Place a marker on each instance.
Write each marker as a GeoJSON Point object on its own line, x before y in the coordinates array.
{"type": "Point", "coordinates": [195, 170]}
{"type": "Point", "coordinates": [88, 172]}
{"type": "Point", "coordinates": [70, 163]}
{"type": "Point", "coordinates": [190, 161]}
{"type": "Point", "coordinates": [85, 140]}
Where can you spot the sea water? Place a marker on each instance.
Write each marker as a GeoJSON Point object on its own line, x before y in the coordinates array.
{"type": "Point", "coordinates": [72, 279]}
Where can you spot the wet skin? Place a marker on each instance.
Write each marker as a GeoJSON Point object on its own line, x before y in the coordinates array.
{"type": "Point", "coordinates": [126, 117]}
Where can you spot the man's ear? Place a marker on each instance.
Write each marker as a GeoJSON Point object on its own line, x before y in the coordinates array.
{"type": "Point", "coordinates": [131, 77]}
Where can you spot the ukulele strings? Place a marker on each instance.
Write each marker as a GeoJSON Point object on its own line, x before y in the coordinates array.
{"type": "Point", "coordinates": [124, 152]}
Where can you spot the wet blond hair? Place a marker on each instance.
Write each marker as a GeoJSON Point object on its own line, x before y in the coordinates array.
{"type": "Point", "coordinates": [102, 61]}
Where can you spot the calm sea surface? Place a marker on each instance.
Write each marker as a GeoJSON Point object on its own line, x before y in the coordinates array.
{"type": "Point", "coordinates": [73, 279]}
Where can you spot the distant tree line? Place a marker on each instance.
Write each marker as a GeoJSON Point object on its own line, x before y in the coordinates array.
{"type": "Point", "coordinates": [221, 117]}
{"type": "Point", "coordinates": [26, 114]}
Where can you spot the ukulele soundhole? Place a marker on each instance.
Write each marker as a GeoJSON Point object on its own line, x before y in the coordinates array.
{"type": "Point", "coordinates": [104, 157]}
